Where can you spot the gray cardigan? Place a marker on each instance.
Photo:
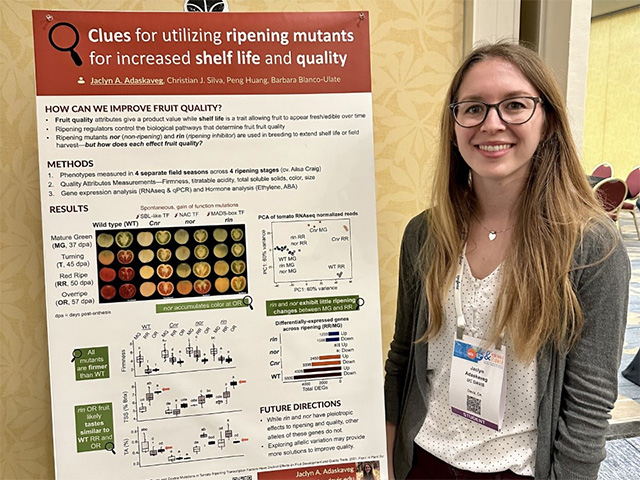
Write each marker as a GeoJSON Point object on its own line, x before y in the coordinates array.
{"type": "Point", "coordinates": [575, 392]}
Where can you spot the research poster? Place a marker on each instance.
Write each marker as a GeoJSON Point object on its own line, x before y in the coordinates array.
{"type": "Point", "coordinates": [211, 267]}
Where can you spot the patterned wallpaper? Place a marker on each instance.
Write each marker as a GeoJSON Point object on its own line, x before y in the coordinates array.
{"type": "Point", "coordinates": [415, 48]}
{"type": "Point", "coordinates": [613, 93]}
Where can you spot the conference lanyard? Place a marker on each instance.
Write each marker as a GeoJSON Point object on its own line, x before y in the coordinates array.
{"type": "Point", "coordinates": [477, 389]}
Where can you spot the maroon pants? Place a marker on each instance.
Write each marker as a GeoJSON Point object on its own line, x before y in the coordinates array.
{"type": "Point", "coordinates": [426, 466]}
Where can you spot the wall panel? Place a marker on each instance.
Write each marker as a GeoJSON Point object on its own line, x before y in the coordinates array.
{"type": "Point", "coordinates": [613, 93]}
{"type": "Point", "coordinates": [416, 46]}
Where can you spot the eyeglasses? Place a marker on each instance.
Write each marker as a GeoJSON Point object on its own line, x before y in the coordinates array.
{"type": "Point", "coordinates": [513, 111]}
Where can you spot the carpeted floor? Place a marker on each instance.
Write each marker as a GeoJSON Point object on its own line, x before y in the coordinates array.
{"type": "Point", "coordinates": [627, 388]}
{"type": "Point", "coordinates": [623, 454]}
{"type": "Point", "coordinates": [623, 460]}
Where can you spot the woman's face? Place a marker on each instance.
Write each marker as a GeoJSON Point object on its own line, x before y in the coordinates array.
{"type": "Point", "coordinates": [496, 151]}
{"type": "Point", "coordinates": [367, 468]}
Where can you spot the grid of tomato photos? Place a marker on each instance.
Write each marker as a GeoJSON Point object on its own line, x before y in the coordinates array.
{"type": "Point", "coordinates": [180, 262]}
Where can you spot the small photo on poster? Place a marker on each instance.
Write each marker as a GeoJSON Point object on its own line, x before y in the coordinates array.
{"type": "Point", "coordinates": [369, 470]}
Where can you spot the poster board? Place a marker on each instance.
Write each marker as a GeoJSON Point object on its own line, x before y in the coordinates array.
{"type": "Point", "coordinates": [208, 211]}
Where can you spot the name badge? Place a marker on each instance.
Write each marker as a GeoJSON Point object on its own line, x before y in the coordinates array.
{"type": "Point", "coordinates": [477, 384]}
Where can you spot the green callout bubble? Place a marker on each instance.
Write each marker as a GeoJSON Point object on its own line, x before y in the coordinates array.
{"type": "Point", "coordinates": [207, 305]}
{"type": "Point", "coordinates": [298, 306]}
{"type": "Point", "coordinates": [94, 427]}
{"type": "Point", "coordinates": [91, 363]}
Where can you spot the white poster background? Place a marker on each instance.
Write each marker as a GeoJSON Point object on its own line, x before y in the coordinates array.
{"type": "Point", "coordinates": [275, 421]}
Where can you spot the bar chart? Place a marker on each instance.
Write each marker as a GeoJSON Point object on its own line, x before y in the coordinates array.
{"type": "Point", "coordinates": [315, 355]}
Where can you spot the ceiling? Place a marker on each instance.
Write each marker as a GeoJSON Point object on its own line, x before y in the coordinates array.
{"type": "Point", "coordinates": [606, 7]}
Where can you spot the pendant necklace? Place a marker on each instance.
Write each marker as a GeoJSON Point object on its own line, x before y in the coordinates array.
{"type": "Point", "coordinates": [492, 233]}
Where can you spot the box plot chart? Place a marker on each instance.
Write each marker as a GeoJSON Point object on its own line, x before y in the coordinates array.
{"type": "Point", "coordinates": [181, 350]}
{"type": "Point", "coordinates": [162, 443]}
{"type": "Point", "coordinates": [314, 355]}
{"type": "Point", "coordinates": [313, 250]}
{"type": "Point", "coordinates": [184, 395]}
{"type": "Point", "coordinates": [172, 397]}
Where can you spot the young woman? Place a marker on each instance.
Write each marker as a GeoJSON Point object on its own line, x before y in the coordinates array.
{"type": "Point", "coordinates": [513, 291]}
{"type": "Point", "coordinates": [367, 472]}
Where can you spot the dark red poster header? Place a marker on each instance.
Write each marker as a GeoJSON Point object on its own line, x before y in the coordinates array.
{"type": "Point", "coordinates": [165, 53]}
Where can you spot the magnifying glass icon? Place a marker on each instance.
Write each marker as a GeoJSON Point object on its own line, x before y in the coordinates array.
{"type": "Point", "coordinates": [74, 55]}
{"type": "Point", "coordinates": [248, 300]}
{"type": "Point", "coordinates": [110, 447]}
{"type": "Point", "coordinates": [359, 302]}
{"type": "Point", "coordinates": [77, 353]}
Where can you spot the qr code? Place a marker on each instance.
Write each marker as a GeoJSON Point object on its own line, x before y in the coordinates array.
{"type": "Point", "coordinates": [473, 404]}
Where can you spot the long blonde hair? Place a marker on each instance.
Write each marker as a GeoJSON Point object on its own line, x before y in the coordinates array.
{"type": "Point", "coordinates": [556, 205]}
